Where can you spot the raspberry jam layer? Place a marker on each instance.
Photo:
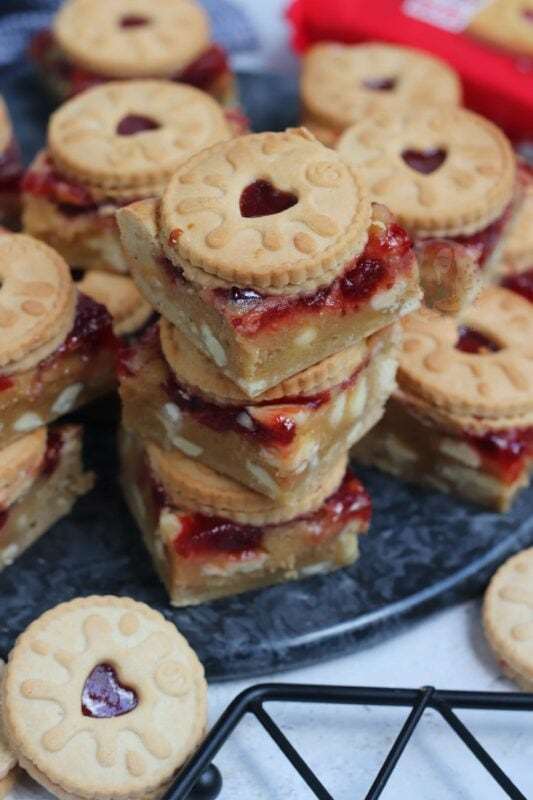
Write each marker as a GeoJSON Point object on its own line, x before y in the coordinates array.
{"type": "Point", "coordinates": [10, 168]}
{"type": "Point", "coordinates": [202, 536]}
{"type": "Point", "coordinates": [278, 430]}
{"type": "Point", "coordinates": [481, 245]}
{"type": "Point", "coordinates": [388, 254]}
{"type": "Point", "coordinates": [54, 446]}
{"type": "Point", "coordinates": [91, 332]}
{"type": "Point", "coordinates": [505, 453]}
{"type": "Point", "coordinates": [72, 199]}
{"type": "Point", "coordinates": [522, 284]}
{"type": "Point", "coordinates": [46, 53]}
{"type": "Point", "coordinates": [104, 696]}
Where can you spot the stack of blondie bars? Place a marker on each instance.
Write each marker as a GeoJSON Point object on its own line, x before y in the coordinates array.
{"type": "Point", "coordinates": [279, 285]}
{"type": "Point", "coordinates": [57, 353]}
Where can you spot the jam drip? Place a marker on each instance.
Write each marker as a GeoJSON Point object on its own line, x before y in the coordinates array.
{"type": "Point", "coordinates": [52, 455]}
{"type": "Point", "coordinates": [104, 696]}
{"type": "Point", "coordinates": [425, 161]}
{"type": "Point", "coordinates": [522, 284]}
{"type": "Point", "coordinates": [472, 341]}
{"type": "Point", "coordinates": [506, 453]}
{"type": "Point", "coordinates": [387, 253]}
{"type": "Point", "coordinates": [261, 199]}
{"type": "Point", "coordinates": [203, 536]}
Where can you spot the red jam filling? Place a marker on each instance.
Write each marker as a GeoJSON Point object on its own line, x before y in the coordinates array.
{"type": "Point", "coordinates": [482, 244]}
{"type": "Point", "coordinates": [387, 253]}
{"type": "Point", "coordinates": [5, 383]}
{"type": "Point", "coordinates": [11, 170]}
{"type": "Point", "coordinates": [204, 536]}
{"type": "Point", "coordinates": [44, 50]}
{"type": "Point", "coordinates": [133, 21]}
{"type": "Point", "coordinates": [71, 197]}
{"type": "Point", "coordinates": [261, 199]}
{"type": "Point", "coordinates": [92, 331]}
{"type": "Point", "coordinates": [203, 72]}
{"type": "Point", "coordinates": [380, 84]}
{"type": "Point", "coordinates": [136, 123]}
{"type": "Point", "coordinates": [472, 341]}
{"type": "Point", "coordinates": [4, 516]}
{"type": "Point", "coordinates": [521, 283]}
{"type": "Point", "coordinates": [425, 161]}
{"type": "Point", "coordinates": [54, 445]}
{"type": "Point", "coordinates": [103, 695]}
{"type": "Point", "coordinates": [527, 13]}
{"type": "Point", "coordinates": [505, 453]}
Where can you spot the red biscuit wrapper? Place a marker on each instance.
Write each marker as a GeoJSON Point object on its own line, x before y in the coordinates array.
{"type": "Point", "coordinates": [496, 83]}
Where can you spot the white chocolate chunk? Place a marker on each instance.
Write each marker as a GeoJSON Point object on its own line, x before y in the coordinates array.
{"type": "Point", "coordinates": [66, 401]}
{"type": "Point", "coordinates": [252, 388]}
{"type": "Point", "coordinates": [315, 569]}
{"type": "Point", "coordinates": [460, 451]}
{"type": "Point", "coordinates": [262, 477]}
{"type": "Point", "coordinates": [358, 397]}
{"type": "Point", "coordinates": [9, 554]}
{"type": "Point", "coordinates": [337, 411]}
{"type": "Point", "coordinates": [383, 300]}
{"type": "Point", "coordinates": [355, 433]}
{"type": "Point", "coordinates": [189, 448]}
{"type": "Point", "coordinates": [245, 421]}
{"type": "Point", "coordinates": [169, 525]}
{"type": "Point", "coordinates": [301, 417]}
{"type": "Point", "coordinates": [409, 306]}
{"type": "Point", "coordinates": [172, 412]}
{"type": "Point", "coordinates": [214, 347]}
{"type": "Point", "coordinates": [305, 337]}
{"type": "Point", "coordinates": [387, 374]}
{"type": "Point", "coordinates": [28, 422]}
{"type": "Point", "coordinates": [234, 567]}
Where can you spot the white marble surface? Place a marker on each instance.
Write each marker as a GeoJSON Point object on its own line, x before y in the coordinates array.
{"type": "Point", "coordinates": [345, 746]}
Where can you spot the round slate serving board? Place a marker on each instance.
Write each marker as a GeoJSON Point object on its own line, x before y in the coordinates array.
{"type": "Point", "coordinates": [424, 550]}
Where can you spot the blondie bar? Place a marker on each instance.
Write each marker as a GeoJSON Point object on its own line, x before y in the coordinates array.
{"type": "Point", "coordinates": [266, 253]}
{"type": "Point", "coordinates": [209, 537]}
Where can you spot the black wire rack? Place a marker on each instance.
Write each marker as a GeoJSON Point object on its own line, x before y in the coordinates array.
{"type": "Point", "coordinates": [201, 780]}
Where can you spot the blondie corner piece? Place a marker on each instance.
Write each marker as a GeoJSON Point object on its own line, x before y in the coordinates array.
{"type": "Point", "coordinates": [462, 418]}
{"type": "Point", "coordinates": [269, 276]}
{"type": "Point", "coordinates": [283, 441]}
{"type": "Point", "coordinates": [57, 349]}
{"type": "Point", "coordinates": [41, 477]}
{"type": "Point", "coordinates": [206, 554]}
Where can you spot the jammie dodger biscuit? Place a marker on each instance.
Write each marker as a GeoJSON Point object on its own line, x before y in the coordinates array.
{"type": "Point", "coordinates": [103, 698]}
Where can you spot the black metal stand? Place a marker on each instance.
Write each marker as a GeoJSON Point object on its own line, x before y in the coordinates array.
{"type": "Point", "coordinates": [200, 780]}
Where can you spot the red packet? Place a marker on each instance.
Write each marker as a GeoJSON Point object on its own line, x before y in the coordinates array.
{"type": "Point", "coordinates": [497, 84]}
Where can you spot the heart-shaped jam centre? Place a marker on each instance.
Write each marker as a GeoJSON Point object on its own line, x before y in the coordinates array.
{"type": "Point", "coordinates": [136, 123]}
{"type": "Point", "coordinates": [425, 161]}
{"type": "Point", "coordinates": [261, 198]}
{"type": "Point", "coordinates": [380, 84]}
{"type": "Point", "coordinates": [472, 341]}
{"type": "Point", "coordinates": [104, 696]}
{"type": "Point", "coordinates": [133, 21]}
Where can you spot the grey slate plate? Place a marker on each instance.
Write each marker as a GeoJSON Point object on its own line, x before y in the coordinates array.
{"type": "Point", "coordinates": [424, 550]}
